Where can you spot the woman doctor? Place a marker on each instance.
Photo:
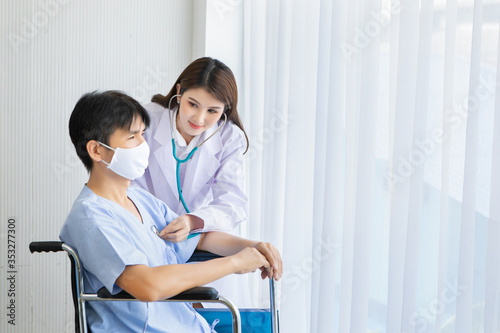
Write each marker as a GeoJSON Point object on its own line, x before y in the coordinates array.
{"type": "Point", "coordinates": [199, 174]}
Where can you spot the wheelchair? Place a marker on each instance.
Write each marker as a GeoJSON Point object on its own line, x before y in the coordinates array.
{"type": "Point", "coordinates": [197, 294]}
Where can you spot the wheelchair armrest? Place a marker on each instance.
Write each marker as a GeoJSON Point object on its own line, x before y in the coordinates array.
{"type": "Point", "coordinates": [193, 294]}
{"type": "Point", "coordinates": [203, 256]}
{"type": "Point", "coordinates": [52, 246]}
{"type": "Point", "coordinates": [46, 246]}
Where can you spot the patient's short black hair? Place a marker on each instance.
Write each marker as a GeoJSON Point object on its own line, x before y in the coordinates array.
{"type": "Point", "coordinates": [97, 115]}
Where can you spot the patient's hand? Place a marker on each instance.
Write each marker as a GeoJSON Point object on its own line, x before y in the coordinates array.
{"type": "Point", "coordinates": [249, 255]}
{"type": "Point", "coordinates": [178, 230]}
{"type": "Point", "coordinates": [250, 259]}
{"type": "Point", "coordinates": [273, 257]}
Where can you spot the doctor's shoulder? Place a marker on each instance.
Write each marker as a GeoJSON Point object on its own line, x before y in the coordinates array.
{"type": "Point", "coordinates": [233, 137]}
{"type": "Point", "coordinates": [155, 112]}
{"type": "Point", "coordinates": [153, 107]}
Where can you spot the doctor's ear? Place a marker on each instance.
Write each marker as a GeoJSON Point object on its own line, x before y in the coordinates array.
{"type": "Point", "coordinates": [93, 149]}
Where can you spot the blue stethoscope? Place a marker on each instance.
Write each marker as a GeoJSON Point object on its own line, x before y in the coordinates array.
{"type": "Point", "coordinates": [179, 161]}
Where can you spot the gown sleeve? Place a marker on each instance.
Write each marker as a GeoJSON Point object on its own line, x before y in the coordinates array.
{"type": "Point", "coordinates": [103, 248]}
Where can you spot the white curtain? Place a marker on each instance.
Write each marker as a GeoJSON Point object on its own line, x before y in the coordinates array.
{"type": "Point", "coordinates": [375, 160]}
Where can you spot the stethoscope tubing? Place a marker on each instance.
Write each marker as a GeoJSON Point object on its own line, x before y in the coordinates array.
{"type": "Point", "coordinates": [179, 161]}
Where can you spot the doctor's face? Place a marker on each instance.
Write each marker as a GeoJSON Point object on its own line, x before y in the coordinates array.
{"type": "Point", "coordinates": [199, 111]}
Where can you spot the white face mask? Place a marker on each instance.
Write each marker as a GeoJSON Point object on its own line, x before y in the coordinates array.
{"type": "Point", "coordinates": [129, 163]}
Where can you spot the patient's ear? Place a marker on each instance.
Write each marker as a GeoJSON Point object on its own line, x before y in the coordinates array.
{"type": "Point", "coordinates": [94, 150]}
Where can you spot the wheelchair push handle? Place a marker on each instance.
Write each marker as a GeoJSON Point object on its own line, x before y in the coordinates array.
{"type": "Point", "coordinates": [46, 247]}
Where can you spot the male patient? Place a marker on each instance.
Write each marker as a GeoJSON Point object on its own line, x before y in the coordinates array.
{"type": "Point", "coordinates": [114, 228]}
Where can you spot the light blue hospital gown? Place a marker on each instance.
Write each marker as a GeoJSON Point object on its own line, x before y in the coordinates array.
{"type": "Point", "coordinates": [107, 237]}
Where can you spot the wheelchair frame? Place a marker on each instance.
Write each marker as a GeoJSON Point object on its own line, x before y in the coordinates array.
{"type": "Point", "coordinates": [197, 294]}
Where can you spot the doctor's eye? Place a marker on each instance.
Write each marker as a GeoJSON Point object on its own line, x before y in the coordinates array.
{"type": "Point", "coordinates": [193, 105]}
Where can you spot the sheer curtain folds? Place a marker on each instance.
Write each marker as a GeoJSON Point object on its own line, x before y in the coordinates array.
{"type": "Point", "coordinates": [375, 160]}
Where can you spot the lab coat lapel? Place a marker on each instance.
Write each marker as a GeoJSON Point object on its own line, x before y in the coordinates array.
{"type": "Point", "coordinates": [164, 157]}
{"type": "Point", "coordinates": [202, 166]}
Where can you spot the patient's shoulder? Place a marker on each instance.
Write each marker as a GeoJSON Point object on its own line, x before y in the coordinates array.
{"type": "Point", "coordinates": [90, 210]}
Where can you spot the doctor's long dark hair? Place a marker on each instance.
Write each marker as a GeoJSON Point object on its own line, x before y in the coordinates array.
{"type": "Point", "coordinates": [216, 78]}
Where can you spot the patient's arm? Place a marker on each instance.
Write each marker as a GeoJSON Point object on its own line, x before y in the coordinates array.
{"type": "Point", "coordinates": [150, 284]}
{"type": "Point", "coordinates": [225, 244]}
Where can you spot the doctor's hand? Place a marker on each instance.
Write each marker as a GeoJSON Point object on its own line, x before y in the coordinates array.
{"type": "Point", "coordinates": [273, 257]}
{"type": "Point", "coordinates": [178, 230]}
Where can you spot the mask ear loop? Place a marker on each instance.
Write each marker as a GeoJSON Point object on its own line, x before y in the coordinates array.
{"type": "Point", "coordinates": [106, 146]}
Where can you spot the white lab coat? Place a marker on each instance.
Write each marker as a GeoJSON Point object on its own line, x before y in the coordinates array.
{"type": "Point", "coordinates": [214, 180]}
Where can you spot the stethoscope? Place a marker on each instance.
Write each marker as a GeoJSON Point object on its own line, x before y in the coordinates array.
{"type": "Point", "coordinates": [179, 161]}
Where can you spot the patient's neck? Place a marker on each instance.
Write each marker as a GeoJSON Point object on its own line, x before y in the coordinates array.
{"type": "Point", "coordinates": [111, 187]}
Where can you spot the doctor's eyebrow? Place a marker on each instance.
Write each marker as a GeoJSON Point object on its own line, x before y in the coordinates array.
{"type": "Point", "coordinates": [210, 107]}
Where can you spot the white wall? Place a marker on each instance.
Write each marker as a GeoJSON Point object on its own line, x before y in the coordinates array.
{"type": "Point", "coordinates": [52, 52]}
{"type": "Point", "coordinates": [224, 36]}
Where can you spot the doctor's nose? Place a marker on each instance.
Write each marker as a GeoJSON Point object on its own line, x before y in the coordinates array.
{"type": "Point", "coordinates": [199, 118]}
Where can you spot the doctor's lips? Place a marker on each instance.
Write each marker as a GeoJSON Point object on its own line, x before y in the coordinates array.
{"type": "Point", "coordinates": [193, 126]}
